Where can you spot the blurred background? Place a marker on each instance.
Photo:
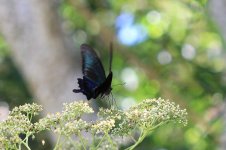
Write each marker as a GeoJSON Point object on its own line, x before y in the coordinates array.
{"type": "Point", "coordinates": [170, 49]}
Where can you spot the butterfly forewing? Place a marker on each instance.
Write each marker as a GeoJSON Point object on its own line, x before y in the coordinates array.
{"type": "Point", "coordinates": [91, 66]}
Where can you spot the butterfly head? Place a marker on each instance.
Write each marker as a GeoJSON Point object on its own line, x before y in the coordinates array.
{"type": "Point", "coordinates": [108, 84]}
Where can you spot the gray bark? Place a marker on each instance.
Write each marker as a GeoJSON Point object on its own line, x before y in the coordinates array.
{"type": "Point", "coordinates": [217, 10]}
{"type": "Point", "coordinates": [41, 50]}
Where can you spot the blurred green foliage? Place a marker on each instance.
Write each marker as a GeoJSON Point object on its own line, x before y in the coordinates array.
{"type": "Point", "coordinates": [193, 76]}
{"type": "Point", "coordinates": [181, 58]}
{"type": "Point", "coordinates": [13, 89]}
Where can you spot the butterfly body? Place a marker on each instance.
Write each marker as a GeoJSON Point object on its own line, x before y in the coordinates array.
{"type": "Point", "coordinates": [94, 81]}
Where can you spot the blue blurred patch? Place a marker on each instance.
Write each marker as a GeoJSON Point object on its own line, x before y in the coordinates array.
{"type": "Point", "coordinates": [129, 33]}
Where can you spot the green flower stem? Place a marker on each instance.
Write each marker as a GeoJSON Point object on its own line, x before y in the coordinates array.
{"type": "Point", "coordinates": [134, 140]}
{"type": "Point", "coordinates": [93, 140]}
{"type": "Point", "coordinates": [82, 140]}
{"type": "Point", "coordinates": [26, 145]}
{"type": "Point", "coordinates": [27, 138]}
{"type": "Point", "coordinates": [72, 142]}
{"type": "Point", "coordinates": [19, 148]}
{"type": "Point", "coordinates": [25, 142]}
{"type": "Point", "coordinates": [149, 130]}
{"type": "Point", "coordinates": [57, 143]}
{"type": "Point", "coordinates": [100, 141]}
{"type": "Point", "coordinates": [141, 138]}
{"type": "Point", "coordinates": [31, 117]}
{"type": "Point", "coordinates": [144, 133]}
{"type": "Point", "coordinates": [110, 139]}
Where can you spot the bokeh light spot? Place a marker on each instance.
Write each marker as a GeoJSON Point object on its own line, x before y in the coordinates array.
{"type": "Point", "coordinates": [153, 17]}
{"type": "Point", "coordinates": [80, 37]}
{"type": "Point", "coordinates": [188, 51]}
{"type": "Point", "coordinates": [131, 35]}
{"type": "Point", "coordinates": [192, 135]}
{"type": "Point", "coordinates": [124, 19]}
{"type": "Point", "coordinates": [127, 102]}
{"type": "Point", "coordinates": [4, 111]}
{"type": "Point", "coordinates": [129, 76]}
{"type": "Point", "coordinates": [164, 57]}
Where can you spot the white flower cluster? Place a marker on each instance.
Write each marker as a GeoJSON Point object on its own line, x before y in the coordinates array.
{"type": "Point", "coordinates": [18, 122]}
{"type": "Point", "coordinates": [68, 122]}
{"type": "Point", "coordinates": [103, 126]}
{"type": "Point", "coordinates": [145, 117]}
{"type": "Point", "coordinates": [30, 109]}
{"type": "Point", "coordinates": [148, 115]}
{"type": "Point", "coordinates": [48, 123]}
{"type": "Point", "coordinates": [75, 109]}
{"type": "Point", "coordinates": [151, 112]}
{"type": "Point", "coordinates": [72, 128]}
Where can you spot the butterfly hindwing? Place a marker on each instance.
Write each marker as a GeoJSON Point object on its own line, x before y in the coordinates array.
{"type": "Point", "coordinates": [86, 87]}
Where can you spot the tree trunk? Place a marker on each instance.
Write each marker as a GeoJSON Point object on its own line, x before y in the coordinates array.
{"type": "Point", "coordinates": [217, 10]}
{"type": "Point", "coordinates": [41, 50]}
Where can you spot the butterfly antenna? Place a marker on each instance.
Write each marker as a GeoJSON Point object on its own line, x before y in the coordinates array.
{"type": "Point", "coordinates": [119, 84]}
{"type": "Point", "coordinates": [111, 55]}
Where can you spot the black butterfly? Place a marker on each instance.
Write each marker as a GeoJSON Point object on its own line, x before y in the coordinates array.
{"type": "Point", "coordinates": [94, 82]}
